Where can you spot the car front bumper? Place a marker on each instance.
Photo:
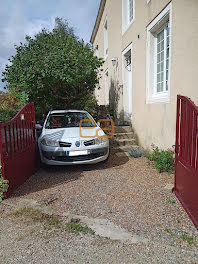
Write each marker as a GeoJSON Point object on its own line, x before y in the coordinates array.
{"type": "Point", "coordinates": [59, 157]}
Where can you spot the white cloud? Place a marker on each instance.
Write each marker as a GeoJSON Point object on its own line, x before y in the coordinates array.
{"type": "Point", "coordinates": [20, 18]}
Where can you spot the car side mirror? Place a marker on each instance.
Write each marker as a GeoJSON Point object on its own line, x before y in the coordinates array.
{"type": "Point", "coordinates": [39, 127]}
{"type": "Point", "coordinates": [98, 123]}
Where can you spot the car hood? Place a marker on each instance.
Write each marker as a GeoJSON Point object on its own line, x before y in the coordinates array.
{"type": "Point", "coordinates": [63, 134]}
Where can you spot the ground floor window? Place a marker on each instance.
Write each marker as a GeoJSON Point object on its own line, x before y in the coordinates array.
{"type": "Point", "coordinates": [158, 57]}
{"type": "Point", "coordinates": [162, 53]}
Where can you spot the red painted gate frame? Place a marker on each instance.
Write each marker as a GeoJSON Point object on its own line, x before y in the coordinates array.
{"type": "Point", "coordinates": [18, 147]}
{"type": "Point", "coordinates": [186, 156]}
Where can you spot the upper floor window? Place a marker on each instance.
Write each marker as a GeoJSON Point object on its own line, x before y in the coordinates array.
{"type": "Point", "coordinates": [105, 39]}
{"type": "Point", "coordinates": [128, 13]}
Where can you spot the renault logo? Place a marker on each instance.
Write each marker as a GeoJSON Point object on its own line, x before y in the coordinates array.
{"type": "Point", "coordinates": [77, 143]}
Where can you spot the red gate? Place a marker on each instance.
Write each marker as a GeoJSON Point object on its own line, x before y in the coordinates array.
{"type": "Point", "coordinates": [18, 147]}
{"type": "Point", "coordinates": [186, 157]}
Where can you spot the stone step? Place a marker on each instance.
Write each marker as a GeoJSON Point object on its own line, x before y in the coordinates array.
{"type": "Point", "coordinates": [123, 129]}
{"type": "Point", "coordinates": [117, 149]}
{"type": "Point", "coordinates": [123, 142]}
{"type": "Point", "coordinates": [124, 135]}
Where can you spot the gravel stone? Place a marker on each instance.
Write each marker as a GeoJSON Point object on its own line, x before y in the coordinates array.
{"type": "Point", "coordinates": [126, 191]}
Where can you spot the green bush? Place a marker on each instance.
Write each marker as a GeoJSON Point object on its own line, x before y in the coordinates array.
{"type": "Point", "coordinates": [3, 186]}
{"type": "Point", "coordinates": [136, 151]}
{"type": "Point", "coordinates": [163, 159]}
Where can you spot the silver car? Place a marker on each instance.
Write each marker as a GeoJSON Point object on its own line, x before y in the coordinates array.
{"type": "Point", "coordinates": [72, 137]}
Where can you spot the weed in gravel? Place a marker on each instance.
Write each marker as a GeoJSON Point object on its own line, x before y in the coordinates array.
{"type": "Point", "coordinates": [35, 216]}
{"type": "Point", "coordinates": [3, 185]}
{"type": "Point", "coordinates": [188, 239]}
{"type": "Point", "coordinates": [184, 236]}
{"type": "Point", "coordinates": [171, 202]}
{"type": "Point", "coordinates": [163, 159]}
{"type": "Point", "coordinates": [54, 222]}
{"type": "Point", "coordinates": [79, 228]}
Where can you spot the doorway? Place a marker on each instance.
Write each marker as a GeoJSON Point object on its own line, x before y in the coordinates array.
{"type": "Point", "coordinates": [127, 82]}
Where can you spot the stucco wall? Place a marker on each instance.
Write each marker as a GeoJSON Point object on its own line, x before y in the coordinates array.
{"type": "Point", "coordinates": [154, 123]}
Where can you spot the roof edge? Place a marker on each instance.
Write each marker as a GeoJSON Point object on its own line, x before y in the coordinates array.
{"type": "Point", "coordinates": [98, 19]}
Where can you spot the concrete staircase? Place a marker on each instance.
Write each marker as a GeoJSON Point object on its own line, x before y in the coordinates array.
{"type": "Point", "coordinates": [124, 138]}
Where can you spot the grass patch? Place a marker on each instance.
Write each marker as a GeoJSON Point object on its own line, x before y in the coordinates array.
{"type": "Point", "coordinates": [163, 159]}
{"type": "Point", "coordinates": [28, 212]}
{"type": "Point", "coordinates": [185, 237]}
{"type": "Point", "coordinates": [188, 239]}
{"type": "Point", "coordinates": [55, 222]}
{"type": "Point", "coordinates": [32, 216]}
{"type": "Point", "coordinates": [35, 216]}
{"type": "Point", "coordinates": [79, 228]}
{"type": "Point", "coordinates": [171, 202]}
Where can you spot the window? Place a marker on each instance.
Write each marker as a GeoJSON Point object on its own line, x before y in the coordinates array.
{"type": "Point", "coordinates": [162, 66]}
{"type": "Point", "coordinates": [105, 40]}
{"type": "Point", "coordinates": [158, 57]}
{"type": "Point", "coordinates": [127, 60]}
{"type": "Point", "coordinates": [128, 13]}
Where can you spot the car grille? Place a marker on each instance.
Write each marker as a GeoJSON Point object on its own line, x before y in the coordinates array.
{"type": "Point", "coordinates": [89, 142]}
{"type": "Point", "coordinates": [79, 158]}
{"type": "Point", "coordinates": [65, 144]}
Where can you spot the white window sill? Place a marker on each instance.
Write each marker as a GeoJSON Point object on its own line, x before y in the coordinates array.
{"type": "Point", "coordinates": [125, 29]}
{"type": "Point", "coordinates": [162, 98]}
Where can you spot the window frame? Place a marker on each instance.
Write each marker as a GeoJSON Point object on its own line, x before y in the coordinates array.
{"type": "Point", "coordinates": [107, 86]}
{"type": "Point", "coordinates": [160, 22]}
{"type": "Point", "coordinates": [126, 23]}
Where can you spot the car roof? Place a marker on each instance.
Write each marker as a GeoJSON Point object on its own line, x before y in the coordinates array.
{"type": "Point", "coordinates": [65, 111]}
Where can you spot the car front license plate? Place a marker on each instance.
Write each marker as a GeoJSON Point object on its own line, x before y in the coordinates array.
{"type": "Point", "coordinates": [77, 153]}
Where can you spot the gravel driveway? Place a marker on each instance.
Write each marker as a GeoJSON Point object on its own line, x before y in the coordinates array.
{"type": "Point", "coordinates": [128, 192]}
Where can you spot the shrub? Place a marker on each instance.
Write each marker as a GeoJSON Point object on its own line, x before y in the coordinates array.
{"type": "Point", "coordinates": [3, 186]}
{"type": "Point", "coordinates": [163, 159]}
{"type": "Point", "coordinates": [136, 151]}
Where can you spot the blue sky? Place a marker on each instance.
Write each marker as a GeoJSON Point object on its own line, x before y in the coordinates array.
{"type": "Point", "coordinates": [27, 17]}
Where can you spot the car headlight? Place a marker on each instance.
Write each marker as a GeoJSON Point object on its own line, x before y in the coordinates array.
{"type": "Point", "coordinates": [101, 140]}
{"type": "Point", "coordinates": [49, 142]}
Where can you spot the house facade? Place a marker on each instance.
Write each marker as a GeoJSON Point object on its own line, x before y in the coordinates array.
{"type": "Point", "coordinates": [150, 49]}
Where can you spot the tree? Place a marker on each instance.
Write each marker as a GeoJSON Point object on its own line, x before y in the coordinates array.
{"type": "Point", "coordinates": [10, 103]}
{"type": "Point", "coordinates": [55, 69]}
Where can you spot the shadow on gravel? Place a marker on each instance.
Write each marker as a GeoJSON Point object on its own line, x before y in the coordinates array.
{"type": "Point", "coordinates": [52, 176]}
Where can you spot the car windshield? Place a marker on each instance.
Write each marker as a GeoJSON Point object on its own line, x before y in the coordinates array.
{"type": "Point", "coordinates": [69, 119]}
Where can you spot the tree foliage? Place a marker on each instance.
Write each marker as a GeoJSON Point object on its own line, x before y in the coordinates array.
{"type": "Point", "coordinates": [55, 69]}
{"type": "Point", "coordinates": [10, 103]}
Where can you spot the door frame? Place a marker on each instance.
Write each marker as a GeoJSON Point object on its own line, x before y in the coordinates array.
{"type": "Point", "coordinates": [130, 88]}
